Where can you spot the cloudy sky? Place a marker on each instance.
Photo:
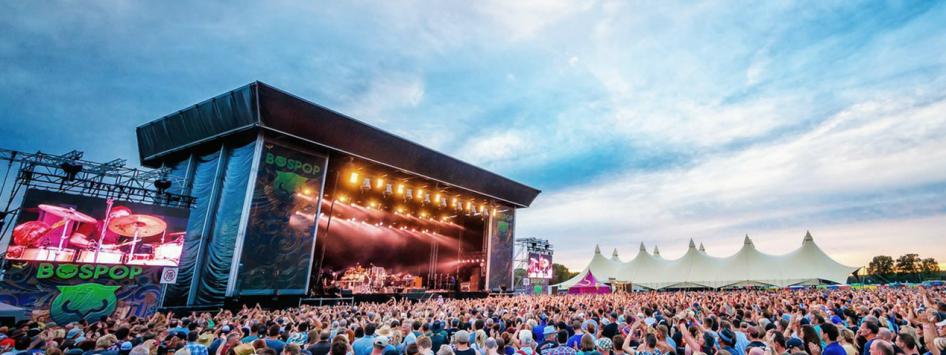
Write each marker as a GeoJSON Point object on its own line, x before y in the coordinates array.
{"type": "Point", "coordinates": [645, 122]}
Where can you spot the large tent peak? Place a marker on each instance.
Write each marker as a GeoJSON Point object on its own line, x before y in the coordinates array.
{"type": "Point", "coordinates": [597, 249]}
{"type": "Point", "coordinates": [692, 244]}
{"type": "Point", "coordinates": [643, 249]}
{"type": "Point", "coordinates": [808, 237]}
{"type": "Point", "coordinates": [656, 251]}
{"type": "Point", "coordinates": [747, 241]}
{"type": "Point", "coordinates": [702, 248]}
{"type": "Point", "coordinates": [614, 253]}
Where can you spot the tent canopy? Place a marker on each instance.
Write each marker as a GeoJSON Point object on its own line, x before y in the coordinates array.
{"type": "Point", "coordinates": [697, 269]}
{"type": "Point", "coordinates": [588, 284]}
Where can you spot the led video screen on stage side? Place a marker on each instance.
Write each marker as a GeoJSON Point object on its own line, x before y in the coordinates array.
{"type": "Point", "coordinates": [67, 228]}
{"type": "Point", "coordinates": [540, 266]}
{"type": "Point", "coordinates": [277, 249]}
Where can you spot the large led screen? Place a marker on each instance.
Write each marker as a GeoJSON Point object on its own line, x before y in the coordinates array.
{"type": "Point", "coordinates": [66, 228]}
{"type": "Point", "coordinates": [501, 249]}
{"type": "Point", "coordinates": [277, 248]}
{"type": "Point", "coordinates": [540, 266]}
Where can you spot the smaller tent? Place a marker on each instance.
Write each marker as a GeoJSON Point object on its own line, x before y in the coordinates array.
{"type": "Point", "coordinates": [589, 285]}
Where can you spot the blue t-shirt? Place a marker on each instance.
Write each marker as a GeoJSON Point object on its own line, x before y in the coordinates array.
{"type": "Point", "coordinates": [834, 349]}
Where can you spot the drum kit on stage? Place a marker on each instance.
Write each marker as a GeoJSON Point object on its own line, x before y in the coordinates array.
{"type": "Point", "coordinates": [145, 237]}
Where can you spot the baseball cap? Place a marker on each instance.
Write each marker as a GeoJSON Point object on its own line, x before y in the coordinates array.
{"type": "Point", "coordinates": [836, 320]}
{"type": "Point", "coordinates": [381, 341]}
{"type": "Point", "coordinates": [795, 343]}
{"type": "Point", "coordinates": [126, 346]}
{"type": "Point", "coordinates": [549, 330]}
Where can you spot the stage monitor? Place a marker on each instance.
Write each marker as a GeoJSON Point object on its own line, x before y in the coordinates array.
{"type": "Point", "coordinates": [540, 266]}
{"type": "Point", "coordinates": [56, 227]}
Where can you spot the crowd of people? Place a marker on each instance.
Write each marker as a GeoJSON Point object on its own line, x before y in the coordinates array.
{"type": "Point", "coordinates": [884, 321]}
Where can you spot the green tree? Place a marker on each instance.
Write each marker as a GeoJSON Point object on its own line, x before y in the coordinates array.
{"type": "Point", "coordinates": [929, 266]}
{"type": "Point", "coordinates": [908, 264]}
{"type": "Point", "coordinates": [560, 273]}
{"type": "Point", "coordinates": [881, 265]}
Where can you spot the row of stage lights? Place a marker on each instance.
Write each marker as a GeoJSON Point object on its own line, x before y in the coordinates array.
{"type": "Point", "coordinates": [419, 194]}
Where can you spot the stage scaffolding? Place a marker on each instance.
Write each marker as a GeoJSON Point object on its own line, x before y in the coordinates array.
{"type": "Point", "coordinates": [69, 173]}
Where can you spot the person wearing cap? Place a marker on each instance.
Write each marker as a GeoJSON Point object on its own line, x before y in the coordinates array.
{"type": "Point", "coordinates": [125, 348]}
{"type": "Point", "coordinates": [550, 340]}
{"type": "Point", "coordinates": [604, 345]}
{"type": "Point", "coordinates": [379, 345]}
{"type": "Point", "coordinates": [727, 341]}
{"type": "Point", "coordinates": [795, 345]}
{"type": "Point", "coordinates": [461, 343]}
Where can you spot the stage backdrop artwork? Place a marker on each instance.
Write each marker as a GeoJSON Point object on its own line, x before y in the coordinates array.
{"type": "Point", "coordinates": [277, 248]}
{"type": "Point", "coordinates": [52, 263]}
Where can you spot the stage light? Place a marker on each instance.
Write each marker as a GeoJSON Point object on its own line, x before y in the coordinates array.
{"type": "Point", "coordinates": [162, 185]}
{"type": "Point", "coordinates": [71, 168]}
{"type": "Point", "coordinates": [354, 177]}
{"type": "Point", "coordinates": [307, 191]}
{"type": "Point", "coordinates": [469, 205]}
{"type": "Point", "coordinates": [372, 204]}
{"type": "Point", "coordinates": [380, 183]}
{"type": "Point", "coordinates": [400, 189]}
{"type": "Point", "coordinates": [437, 197]}
{"type": "Point", "coordinates": [343, 198]}
{"type": "Point", "coordinates": [420, 193]}
{"type": "Point", "coordinates": [366, 184]}
{"type": "Point", "coordinates": [482, 208]}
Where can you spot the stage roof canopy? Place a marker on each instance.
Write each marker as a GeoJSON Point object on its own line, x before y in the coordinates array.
{"type": "Point", "coordinates": [260, 106]}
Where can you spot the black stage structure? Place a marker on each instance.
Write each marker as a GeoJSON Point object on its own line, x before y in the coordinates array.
{"type": "Point", "coordinates": [296, 201]}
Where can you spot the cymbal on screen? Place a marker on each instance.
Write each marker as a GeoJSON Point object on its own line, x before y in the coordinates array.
{"type": "Point", "coordinates": [67, 213]}
{"type": "Point", "coordinates": [140, 224]}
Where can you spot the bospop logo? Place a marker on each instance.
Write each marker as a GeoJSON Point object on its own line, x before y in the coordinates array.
{"type": "Point", "coordinates": [89, 301]}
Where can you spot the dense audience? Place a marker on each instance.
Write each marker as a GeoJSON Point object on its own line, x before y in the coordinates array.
{"type": "Point", "coordinates": [883, 321]}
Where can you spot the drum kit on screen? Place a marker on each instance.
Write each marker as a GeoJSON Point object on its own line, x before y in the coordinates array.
{"type": "Point", "coordinates": [142, 240]}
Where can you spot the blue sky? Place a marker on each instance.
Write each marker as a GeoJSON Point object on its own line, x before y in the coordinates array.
{"type": "Point", "coordinates": [650, 122]}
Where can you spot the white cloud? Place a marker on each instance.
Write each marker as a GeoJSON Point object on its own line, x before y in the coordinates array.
{"type": "Point", "coordinates": [874, 146]}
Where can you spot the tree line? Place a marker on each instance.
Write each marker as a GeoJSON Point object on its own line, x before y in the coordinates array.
{"type": "Point", "coordinates": [906, 267]}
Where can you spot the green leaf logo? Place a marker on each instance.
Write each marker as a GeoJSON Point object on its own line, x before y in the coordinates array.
{"type": "Point", "coordinates": [89, 301]}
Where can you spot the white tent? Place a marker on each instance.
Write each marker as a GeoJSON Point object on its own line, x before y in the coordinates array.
{"type": "Point", "coordinates": [697, 269]}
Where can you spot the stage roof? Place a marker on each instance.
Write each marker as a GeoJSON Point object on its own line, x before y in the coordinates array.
{"type": "Point", "coordinates": [260, 106]}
